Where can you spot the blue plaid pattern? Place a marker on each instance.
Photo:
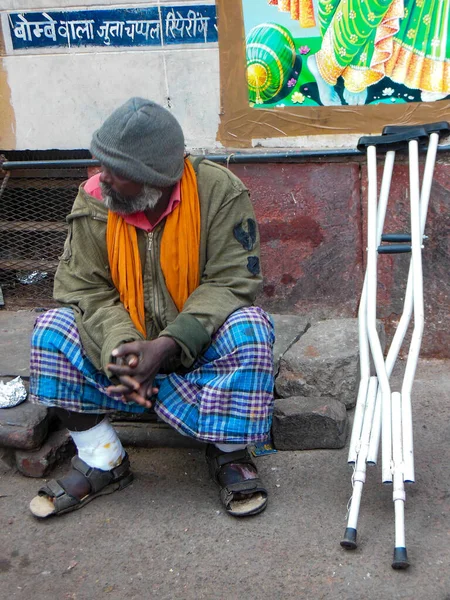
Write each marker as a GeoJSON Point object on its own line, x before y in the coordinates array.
{"type": "Point", "coordinates": [227, 396]}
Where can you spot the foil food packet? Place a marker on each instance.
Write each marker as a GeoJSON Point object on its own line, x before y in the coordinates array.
{"type": "Point", "coordinates": [12, 393]}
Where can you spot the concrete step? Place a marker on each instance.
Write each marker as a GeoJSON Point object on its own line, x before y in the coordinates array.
{"type": "Point", "coordinates": [15, 333]}
{"type": "Point", "coordinates": [309, 423]}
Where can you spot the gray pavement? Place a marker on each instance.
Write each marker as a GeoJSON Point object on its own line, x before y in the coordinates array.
{"type": "Point", "coordinates": [166, 537]}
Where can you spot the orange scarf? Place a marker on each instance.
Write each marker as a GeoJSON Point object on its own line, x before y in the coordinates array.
{"type": "Point", "coordinates": [179, 254]}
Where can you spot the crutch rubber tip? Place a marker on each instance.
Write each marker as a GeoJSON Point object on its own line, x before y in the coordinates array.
{"type": "Point", "coordinates": [400, 559]}
{"type": "Point", "coordinates": [349, 540]}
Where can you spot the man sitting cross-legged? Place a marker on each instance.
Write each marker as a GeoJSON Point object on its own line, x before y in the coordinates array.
{"type": "Point", "coordinates": [157, 280]}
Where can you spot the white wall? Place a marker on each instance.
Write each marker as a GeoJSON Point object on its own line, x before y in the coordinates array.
{"type": "Point", "coordinates": [60, 98]}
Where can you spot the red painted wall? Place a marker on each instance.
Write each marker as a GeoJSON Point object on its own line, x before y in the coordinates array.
{"type": "Point", "coordinates": [312, 219]}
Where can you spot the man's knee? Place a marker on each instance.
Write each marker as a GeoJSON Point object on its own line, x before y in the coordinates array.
{"type": "Point", "coordinates": [55, 320]}
{"type": "Point", "coordinates": [255, 322]}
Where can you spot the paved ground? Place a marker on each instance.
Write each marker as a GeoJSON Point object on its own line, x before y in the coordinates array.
{"type": "Point", "coordinates": [165, 537]}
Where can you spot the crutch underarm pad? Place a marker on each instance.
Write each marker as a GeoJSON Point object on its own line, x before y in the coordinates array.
{"type": "Point", "coordinates": [443, 128]}
{"type": "Point", "coordinates": [397, 141]}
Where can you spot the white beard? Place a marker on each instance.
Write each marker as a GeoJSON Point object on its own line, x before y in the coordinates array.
{"type": "Point", "coordinates": [127, 205]}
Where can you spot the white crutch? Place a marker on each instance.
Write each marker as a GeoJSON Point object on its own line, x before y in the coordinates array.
{"type": "Point", "coordinates": [376, 408]}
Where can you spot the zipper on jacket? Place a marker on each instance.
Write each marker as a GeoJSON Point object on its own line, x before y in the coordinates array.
{"type": "Point", "coordinates": [153, 270]}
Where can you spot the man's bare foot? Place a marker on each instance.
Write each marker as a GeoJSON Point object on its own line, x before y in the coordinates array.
{"type": "Point", "coordinates": [81, 485]}
{"type": "Point", "coordinates": [241, 491]}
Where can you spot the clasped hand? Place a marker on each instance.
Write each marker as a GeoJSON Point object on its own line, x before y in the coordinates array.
{"type": "Point", "coordinates": [136, 366]}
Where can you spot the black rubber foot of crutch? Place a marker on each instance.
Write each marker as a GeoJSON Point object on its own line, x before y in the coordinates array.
{"type": "Point", "coordinates": [400, 559]}
{"type": "Point", "coordinates": [349, 540]}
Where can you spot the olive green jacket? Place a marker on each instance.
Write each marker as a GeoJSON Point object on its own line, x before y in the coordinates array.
{"type": "Point", "coordinates": [229, 268]}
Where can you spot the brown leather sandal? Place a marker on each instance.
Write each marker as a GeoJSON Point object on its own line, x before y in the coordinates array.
{"type": "Point", "coordinates": [241, 490]}
{"type": "Point", "coordinates": [54, 499]}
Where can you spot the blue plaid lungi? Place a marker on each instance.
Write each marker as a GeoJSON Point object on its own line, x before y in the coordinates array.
{"type": "Point", "coordinates": [226, 397]}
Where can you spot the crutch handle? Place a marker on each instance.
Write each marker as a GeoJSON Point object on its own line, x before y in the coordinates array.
{"type": "Point", "coordinates": [442, 128]}
{"type": "Point", "coordinates": [394, 249]}
{"type": "Point", "coordinates": [396, 237]}
{"type": "Point", "coordinates": [396, 141]}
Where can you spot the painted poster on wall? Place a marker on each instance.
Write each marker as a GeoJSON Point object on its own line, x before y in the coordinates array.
{"type": "Point", "coordinates": [346, 52]}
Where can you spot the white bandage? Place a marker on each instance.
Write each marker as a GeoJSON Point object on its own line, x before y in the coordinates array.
{"type": "Point", "coordinates": [100, 446]}
{"type": "Point", "coordinates": [230, 447]}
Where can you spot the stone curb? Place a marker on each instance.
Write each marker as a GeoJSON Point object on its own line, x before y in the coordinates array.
{"type": "Point", "coordinates": [309, 423]}
{"type": "Point", "coordinates": [57, 447]}
{"type": "Point", "coordinates": [24, 426]}
{"type": "Point", "coordinates": [324, 362]}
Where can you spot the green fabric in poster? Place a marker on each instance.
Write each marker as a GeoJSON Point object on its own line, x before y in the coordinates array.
{"type": "Point", "coordinates": [338, 52]}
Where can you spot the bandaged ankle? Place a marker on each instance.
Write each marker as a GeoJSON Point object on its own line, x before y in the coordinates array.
{"type": "Point", "coordinates": [230, 447]}
{"type": "Point", "coordinates": [100, 446]}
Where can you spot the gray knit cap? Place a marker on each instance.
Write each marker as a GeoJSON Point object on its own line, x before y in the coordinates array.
{"type": "Point", "coordinates": [141, 141]}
